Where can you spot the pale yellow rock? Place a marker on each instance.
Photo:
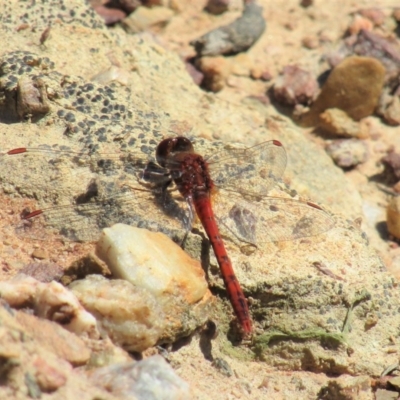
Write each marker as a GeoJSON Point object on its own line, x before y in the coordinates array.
{"type": "Point", "coordinates": [152, 261]}
{"type": "Point", "coordinates": [337, 122]}
{"type": "Point", "coordinates": [155, 265]}
{"type": "Point", "coordinates": [55, 339]}
{"type": "Point", "coordinates": [50, 301]}
{"type": "Point", "coordinates": [129, 315]}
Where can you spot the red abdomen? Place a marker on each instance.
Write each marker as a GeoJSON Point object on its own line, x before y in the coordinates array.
{"type": "Point", "coordinates": [205, 213]}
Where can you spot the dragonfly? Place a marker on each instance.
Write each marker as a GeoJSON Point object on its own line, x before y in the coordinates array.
{"type": "Point", "coordinates": [227, 191]}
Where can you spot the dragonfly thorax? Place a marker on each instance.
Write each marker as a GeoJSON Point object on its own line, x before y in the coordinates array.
{"type": "Point", "coordinates": [188, 170]}
{"type": "Point", "coordinates": [194, 177]}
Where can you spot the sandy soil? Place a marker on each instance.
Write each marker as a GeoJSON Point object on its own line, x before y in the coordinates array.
{"type": "Point", "coordinates": [289, 26]}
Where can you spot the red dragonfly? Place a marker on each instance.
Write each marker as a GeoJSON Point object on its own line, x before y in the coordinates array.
{"type": "Point", "coordinates": [241, 178]}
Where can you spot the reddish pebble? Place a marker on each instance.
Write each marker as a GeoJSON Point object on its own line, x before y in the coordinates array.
{"type": "Point", "coordinates": [310, 42]}
{"type": "Point", "coordinates": [43, 272]}
{"type": "Point", "coordinates": [266, 76]}
{"type": "Point", "coordinates": [110, 15]}
{"type": "Point", "coordinates": [50, 378]}
{"type": "Point", "coordinates": [295, 86]}
{"type": "Point", "coordinates": [396, 14]}
{"type": "Point", "coordinates": [358, 24]}
{"type": "Point", "coordinates": [375, 15]}
{"type": "Point", "coordinates": [196, 75]}
{"type": "Point", "coordinates": [392, 161]}
{"type": "Point", "coordinates": [371, 44]}
{"type": "Point", "coordinates": [348, 153]}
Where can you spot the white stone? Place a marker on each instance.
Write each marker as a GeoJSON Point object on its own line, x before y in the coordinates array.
{"type": "Point", "coordinates": [152, 261]}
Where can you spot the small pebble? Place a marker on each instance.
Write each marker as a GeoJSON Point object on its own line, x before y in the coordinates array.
{"type": "Point", "coordinates": [291, 25]}
{"type": "Point", "coordinates": [392, 160]}
{"type": "Point", "coordinates": [389, 108]}
{"type": "Point", "coordinates": [393, 216]}
{"type": "Point", "coordinates": [241, 65]}
{"type": "Point", "coordinates": [383, 394]}
{"type": "Point", "coordinates": [131, 5]}
{"type": "Point", "coordinates": [69, 348]}
{"type": "Point", "coordinates": [40, 254]}
{"type": "Point", "coordinates": [396, 189]}
{"type": "Point", "coordinates": [396, 14]}
{"type": "Point", "coordinates": [310, 42]}
{"type": "Point", "coordinates": [306, 3]}
{"type": "Point", "coordinates": [222, 366]}
{"type": "Point", "coordinates": [150, 379]}
{"type": "Point", "coordinates": [50, 301]}
{"type": "Point", "coordinates": [348, 153]}
{"type": "Point", "coordinates": [353, 86]}
{"type": "Point", "coordinates": [375, 15]}
{"type": "Point", "coordinates": [234, 38]}
{"type": "Point", "coordinates": [112, 74]}
{"type": "Point", "coordinates": [337, 122]}
{"type": "Point", "coordinates": [260, 73]}
{"type": "Point", "coordinates": [143, 18]}
{"type": "Point", "coordinates": [196, 75]}
{"type": "Point", "coordinates": [110, 15]}
{"type": "Point", "coordinates": [295, 86]}
{"type": "Point", "coordinates": [32, 98]}
{"type": "Point", "coordinates": [327, 36]}
{"type": "Point", "coordinates": [216, 71]}
{"type": "Point", "coordinates": [395, 382]}
{"type": "Point", "coordinates": [217, 7]}
{"type": "Point", "coordinates": [359, 23]}
{"type": "Point", "coordinates": [43, 272]}
{"type": "Point", "coordinates": [50, 377]}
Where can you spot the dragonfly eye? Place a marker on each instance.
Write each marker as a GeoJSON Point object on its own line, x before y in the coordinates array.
{"type": "Point", "coordinates": [182, 144]}
{"type": "Point", "coordinates": [168, 147]}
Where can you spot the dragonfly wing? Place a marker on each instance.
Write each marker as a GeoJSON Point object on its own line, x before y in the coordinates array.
{"type": "Point", "coordinates": [69, 222]}
{"type": "Point", "coordinates": [83, 222]}
{"type": "Point", "coordinates": [61, 173]}
{"type": "Point", "coordinates": [270, 219]}
{"type": "Point", "coordinates": [254, 170]}
{"type": "Point", "coordinates": [60, 162]}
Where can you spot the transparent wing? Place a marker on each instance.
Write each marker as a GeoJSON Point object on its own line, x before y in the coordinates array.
{"type": "Point", "coordinates": [270, 219]}
{"type": "Point", "coordinates": [114, 195]}
{"type": "Point", "coordinates": [83, 222]}
{"type": "Point", "coordinates": [244, 177]}
{"type": "Point", "coordinates": [254, 170]}
{"type": "Point", "coordinates": [106, 163]}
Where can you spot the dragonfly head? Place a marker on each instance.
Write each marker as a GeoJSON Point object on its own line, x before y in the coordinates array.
{"type": "Point", "coordinates": [170, 147]}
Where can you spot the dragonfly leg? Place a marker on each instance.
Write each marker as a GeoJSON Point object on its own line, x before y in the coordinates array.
{"type": "Point", "coordinates": [155, 174]}
{"type": "Point", "coordinates": [189, 221]}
